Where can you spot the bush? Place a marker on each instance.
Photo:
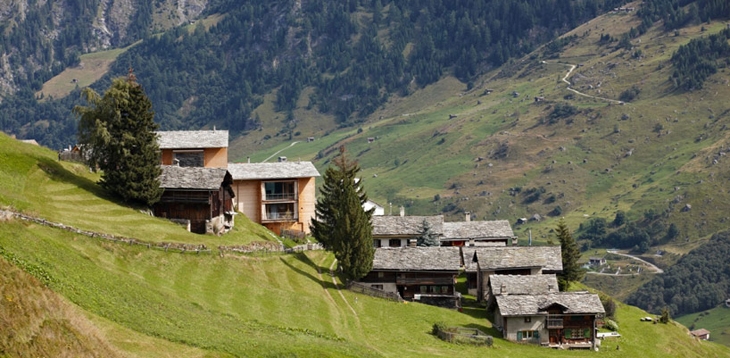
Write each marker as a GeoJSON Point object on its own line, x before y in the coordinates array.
{"type": "Point", "coordinates": [611, 324]}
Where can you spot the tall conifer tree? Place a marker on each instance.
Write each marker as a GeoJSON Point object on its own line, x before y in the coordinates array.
{"type": "Point", "coordinates": [570, 253]}
{"type": "Point", "coordinates": [118, 134]}
{"type": "Point", "coordinates": [342, 225]}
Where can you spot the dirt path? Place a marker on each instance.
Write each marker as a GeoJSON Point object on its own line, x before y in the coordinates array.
{"type": "Point", "coordinates": [332, 275]}
{"type": "Point", "coordinates": [654, 267]}
{"type": "Point", "coordinates": [565, 79]}
{"type": "Point", "coordinates": [280, 150]}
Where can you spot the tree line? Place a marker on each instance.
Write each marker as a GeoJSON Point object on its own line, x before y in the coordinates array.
{"type": "Point", "coordinates": [355, 54]}
{"type": "Point", "coordinates": [700, 280]}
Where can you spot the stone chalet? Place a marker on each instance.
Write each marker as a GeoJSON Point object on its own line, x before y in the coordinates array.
{"type": "Point", "coordinates": [483, 262]}
{"type": "Point", "coordinates": [279, 195]}
{"type": "Point", "coordinates": [530, 309]}
{"type": "Point", "coordinates": [204, 148]}
{"type": "Point", "coordinates": [201, 197]}
{"type": "Point", "coordinates": [399, 231]}
{"type": "Point", "coordinates": [425, 274]}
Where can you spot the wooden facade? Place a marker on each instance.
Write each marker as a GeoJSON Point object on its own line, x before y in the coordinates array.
{"type": "Point", "coordinates": [280, 196]}
{"type": "Point", "coordinates": [204, 148]}
{"type": "Point", "coordinates": [201, 195]}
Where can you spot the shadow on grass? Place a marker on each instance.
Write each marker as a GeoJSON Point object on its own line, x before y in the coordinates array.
{"type": "Point", "coordinates": [57, 172]}
{"type": "Point", "coordinates": [303, 258]}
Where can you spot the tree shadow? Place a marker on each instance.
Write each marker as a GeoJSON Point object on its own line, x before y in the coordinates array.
{"type": "Point", "coordinates": [303, 258]}
{"type": "Point", "coordinates": [58, 172]}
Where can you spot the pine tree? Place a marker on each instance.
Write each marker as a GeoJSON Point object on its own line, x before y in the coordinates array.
{"type": "Point", "coordinates": [570, 253]}
{"type": "Point", "coordinates": [117, 133]}
{"type": "Point", "coordinates": [342, 225]}
{"type": "Point", "coordinates": [427, 237]}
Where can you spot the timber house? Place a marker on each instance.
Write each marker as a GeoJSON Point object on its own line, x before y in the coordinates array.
{"type": "Point", "coordinates": [425, 274]}
{"type": "Point", "coordinates": [279, 196]}
{"type": "Point", "coordinates": [483, 262]}
{"type": "Point", "coordinates": [530, 309]}
{"type": "Point", "coordinates": [204, 148]}
{"type": "Point", "coordinates": [200, 196]}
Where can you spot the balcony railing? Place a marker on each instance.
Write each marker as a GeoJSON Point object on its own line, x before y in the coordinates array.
{"type": "Point", "coordinates": [425, 281]}
{"type": "Point", "coordinates": [281, 196]}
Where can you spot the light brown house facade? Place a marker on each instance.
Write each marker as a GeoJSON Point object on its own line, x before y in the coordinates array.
{"type": "Point", "coordinates": [279, 196]}
{"type": "Point", "coordinates": [205, 148]}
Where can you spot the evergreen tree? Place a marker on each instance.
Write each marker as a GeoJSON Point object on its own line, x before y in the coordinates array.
{"type": "Point", "coordinates": [427, 237]}
{"type": "Point", "coordinates": [570, 254]}
{"type": "Point", "coordinates": [117, 132]}
{"type": "Point", "coordinates": [342, 225]}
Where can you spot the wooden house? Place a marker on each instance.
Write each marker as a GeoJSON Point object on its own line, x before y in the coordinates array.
{"type": "Point", "coordinates": [555, 319]}
{"type": "Point", "coordinates": [202, 196]}
{"type": "Point", "coordinates": [395, 231]}
{"type": "Point", "coordinates": [483, 262]}
{"type": "Point", "coordinates": [205, 148]}
{"type": "Point", "coordinates": [400, 231]}
{"type": "Point", "coordinates": [425, 274]}
{"type": "Point", "coordinates": [279, 196]}
{"type": "Point", "coordinates": [701, 333]}
{"type": "Point", "coordinates": [478, 233]}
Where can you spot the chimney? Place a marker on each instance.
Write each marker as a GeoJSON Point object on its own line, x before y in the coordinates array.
{"type": "Point", "coordinates": [282, 159]}
{"type": "Point", "coordinates": [248, 159]}
{"type": "Point", "coordinates": [503, 290]}
{"type": "Point", "coordinates": [467, 216]}
{"type": "Point", "coordinates": [402, 211]}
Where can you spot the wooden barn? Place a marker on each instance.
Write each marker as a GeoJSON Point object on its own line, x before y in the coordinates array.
{"type": "Point", "coordinates": [201, 195]}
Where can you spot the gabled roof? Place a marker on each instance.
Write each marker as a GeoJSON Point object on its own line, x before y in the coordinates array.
{"type": "Point", "coordinates": [277, 170]}
{"type": "Point", "coordinates": [405, 225]}
{"type": "Point", "coordinates": [496, 229]}
{"type": "Point", "coordinates": [197, 178]}
{"type": "Point", "coordinates": [523, 284]}
{"type": "Point", "coordinates": [192, 139]}
{"type": "Point", "coordinates": [699, 332]}
{"type": "Point", "coordinates": [417, 259]}
{"type": "Point", "coordinates": [573, 302]}
{"type": "Point", "coordinates": [506, 257]}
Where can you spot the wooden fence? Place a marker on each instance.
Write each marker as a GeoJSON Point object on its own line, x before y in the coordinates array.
{"type": "Point", "coordinates": [374, 292]}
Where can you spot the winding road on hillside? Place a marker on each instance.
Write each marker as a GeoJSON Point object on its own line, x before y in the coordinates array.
{"type": "Point", "coordinates": [565, 79]}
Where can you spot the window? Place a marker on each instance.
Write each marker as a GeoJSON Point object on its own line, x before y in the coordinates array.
{"type": "Point", "coordinates": [528, 319]}
{"type": "Point", "coordinates": [377, 243]}
{"type": "Point", "coordinates": [394, 242]}
{"type": "Point", "coordinates": [280, 190]}
{"type": "Point", "coordinates": [445, 289]}
{"type": "Point", "coordinates": [423, 289]}
{"type": "Point", "coordinates": [381, 274]}
{"type": "Point", "coordinates": [188, 158]}
{"type": "Point", "coordinates": [521, 335]}
{"type": "Point", "coordinates": [283, 211]}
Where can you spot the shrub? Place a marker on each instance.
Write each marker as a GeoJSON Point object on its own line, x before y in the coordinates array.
{"type": "Point", "coordinates": [611, 324]}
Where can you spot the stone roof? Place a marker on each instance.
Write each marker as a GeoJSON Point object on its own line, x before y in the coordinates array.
{"type": "Point", "coordinates": [574, 303]}
{"type": "Point", "coordinates": [505, 257]}
{"type": "Point", "coordinates": [277, 170]}
{"type": "Point", "coordinates": [417, 259]}
{"type": "Point", "coordinates": [192, 139]}
{"type": "Point", "coordinates": [496, 229]}
{"type": "Point", "coordinates": [699, 332]}
{"type": "Point", "coordinates": [198, 178]}
{"type": "Point", "coordinates": [523, 284]}
{"type": "Point", "coordinates": [405, 225]}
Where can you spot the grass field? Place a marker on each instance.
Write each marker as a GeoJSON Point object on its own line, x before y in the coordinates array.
{"type": "Point", "coordinates": [135, 301]}
{"type": "Point", "coordinates": [716, 320]}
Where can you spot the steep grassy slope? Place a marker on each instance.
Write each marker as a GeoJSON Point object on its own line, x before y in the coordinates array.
{"type": "Point", "coordinates": [36, 183]}
{"type": "Point", "coordinates": [716, 320]}
{"type": "Point", "coordinates": [270, 305]}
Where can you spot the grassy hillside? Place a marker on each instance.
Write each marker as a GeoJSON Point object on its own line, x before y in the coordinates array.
{"type": "Point", "coordinates": [469, 147]}
{"type": "Point", "coordinates": [211, 305]}
{"type": "Point", "coordinates": [716, 320]}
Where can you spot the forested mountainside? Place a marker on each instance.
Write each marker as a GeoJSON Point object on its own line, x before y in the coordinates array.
{"type": "Point", "coordinates": [699, 281]}
{"type": "Point", "coordinates": [354, 54]}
